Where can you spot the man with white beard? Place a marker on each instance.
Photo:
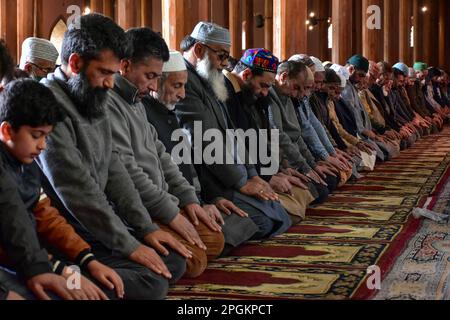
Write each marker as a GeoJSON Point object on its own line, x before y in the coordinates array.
{"type": "Point", "coordinates": [237, 227]}
{"type": "Point", "coordinates": [206, 53]}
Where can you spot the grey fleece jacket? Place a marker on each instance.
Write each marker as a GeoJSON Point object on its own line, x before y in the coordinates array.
{"type": "Point", "coordinates": [158, 179]}
{"type": "Point", "coordinates": [88, 178]}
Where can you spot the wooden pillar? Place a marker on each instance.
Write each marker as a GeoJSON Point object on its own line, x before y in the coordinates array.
{"type": "Point", "coordinates": [204, 7]}
{"type": "Point", "coordinates": [447, 35]}
{"type": "Point", "coordinates": [405, 31]}
{"type": "Point", "coordinates": [390, 28]}
{"type": "Point", "coordinates": [442, 31]}
{"type": "Point", "coordinates": [25, 22]}
{"type": "Point", "coordinates": [173, 22]}
{"type": "Point", "coordinates": [418, 31]}
{"type": "Point", "coordinates": [8, 25]}
{"type": "Point", "coordinates": [430, 38]}
{"type": "Point", "coordinates": [157, 15]}
{"type": "Point", "coordinates": [268, 26]}
{"type": "Point", "coordinates": [342, 15]}
{"type": "Point", "coordinates": [357, 45]}
{"type": "Point", "coordinates": [371, 38]}
{"type": "Point", "coordinates": [318, 37]}
{"type": "Point", "coordinates": [128, 13]}
{"type": "Point", "coordinates": [108, 8]}
{"type": "Point", "coordinates": [146, 13]}
{"type": "Point", "coordinates": [290, 30]}
{"type": "Point", "coordinates": [96, 6]}
{"type": "Point", "coordinates": [248, 23]}
{"type": "Point", "coordinates": [235, 25]}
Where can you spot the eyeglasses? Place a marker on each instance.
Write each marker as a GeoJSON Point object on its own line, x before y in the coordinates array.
{"type": "Point", "coordinates": [45, 70]}
{"type": "Point", "coordinates": [222, 55]}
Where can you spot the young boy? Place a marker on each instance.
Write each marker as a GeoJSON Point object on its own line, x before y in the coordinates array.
{"type": "Point", "coordinates": [28, 113]}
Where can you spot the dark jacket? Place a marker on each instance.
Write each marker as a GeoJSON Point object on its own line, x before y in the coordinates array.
{"type": "Point", "coordinates": [386, 109]}
{"type": "Point", "coordinates": [18, 238]}
{"type": "Point", "coordinates": [319, 106]}
{"type": "Point", "coordinates": [346, 117]}
{"type": "Point", "coordinates": [165, 122]}
{"type": "Point", "coordinates": [253, 114]}
{"type": "Point", "coordinates": [202, 106]}
{"type": "Point", "coordinates": [52, 229]}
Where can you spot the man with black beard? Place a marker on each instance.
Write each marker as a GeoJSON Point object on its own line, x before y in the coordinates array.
{"type": "Point", "coordinates": [87, 181]}
{"type": "Point", "coordinates": [248, 86]}
{"type": "Point", "coordinates": [206, 52]}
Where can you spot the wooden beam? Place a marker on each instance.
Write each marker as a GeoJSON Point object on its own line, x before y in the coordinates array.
{"type": "Point", "coordinates": [290, 30]}
{"type": "Point", "coordinates": [342, 15]}
{"type": "Point", "coordinates": [390, 28]}
{"type": "Point", "coordinates": [371, 37]}
{"type": "Point", "coordinates": [235, 25]}
{"type": "Point", "coordinates": [173, 22]}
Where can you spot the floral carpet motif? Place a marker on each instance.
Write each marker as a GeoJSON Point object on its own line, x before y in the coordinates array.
{"type": "Point", "coordinates": [365, 223]}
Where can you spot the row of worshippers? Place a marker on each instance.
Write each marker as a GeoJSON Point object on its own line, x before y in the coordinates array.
{"type": "Point", "coordinates": [87, 174]}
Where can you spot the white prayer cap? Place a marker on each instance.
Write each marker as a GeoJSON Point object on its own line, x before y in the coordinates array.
{"type": "Point", "coordinates": [341, 70]}
{"type": "Point", "coordinates": [343, 83]}
{"type": "Point", "coordinates": [33, 48]}
{"type": "Point", "coordinates": [318, 64]}
{"type": "Point", "coordinates": [175, 63]}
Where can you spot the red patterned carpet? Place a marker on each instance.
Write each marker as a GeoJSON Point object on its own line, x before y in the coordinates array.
{"type": "Point", "coordinates": [365, 223]}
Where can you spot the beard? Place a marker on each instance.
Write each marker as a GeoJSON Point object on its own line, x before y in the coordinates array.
{"type": "Point", "coordinates": [353, 80]}
{"type": "Point", "coordinates": [214, 77]}
{"type": "Point", "coordinates": [89, 101]}
{"type": "Point", "coordinates": [158, 96]}
{"type": "Point", "coordinates": [247, 93]}
{"type": "Point", "coordinates": [170, 106]}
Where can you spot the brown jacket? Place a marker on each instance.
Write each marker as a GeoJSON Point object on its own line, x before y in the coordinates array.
{"type": "Point", "coordinates": [54, 230]}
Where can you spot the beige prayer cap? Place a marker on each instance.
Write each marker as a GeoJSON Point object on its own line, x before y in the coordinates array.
{"type": "Point", "coordinates": [36, 48]}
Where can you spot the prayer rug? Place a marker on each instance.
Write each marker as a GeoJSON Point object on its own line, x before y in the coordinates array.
{"type": "Point", "coordinates": [365, 223]}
